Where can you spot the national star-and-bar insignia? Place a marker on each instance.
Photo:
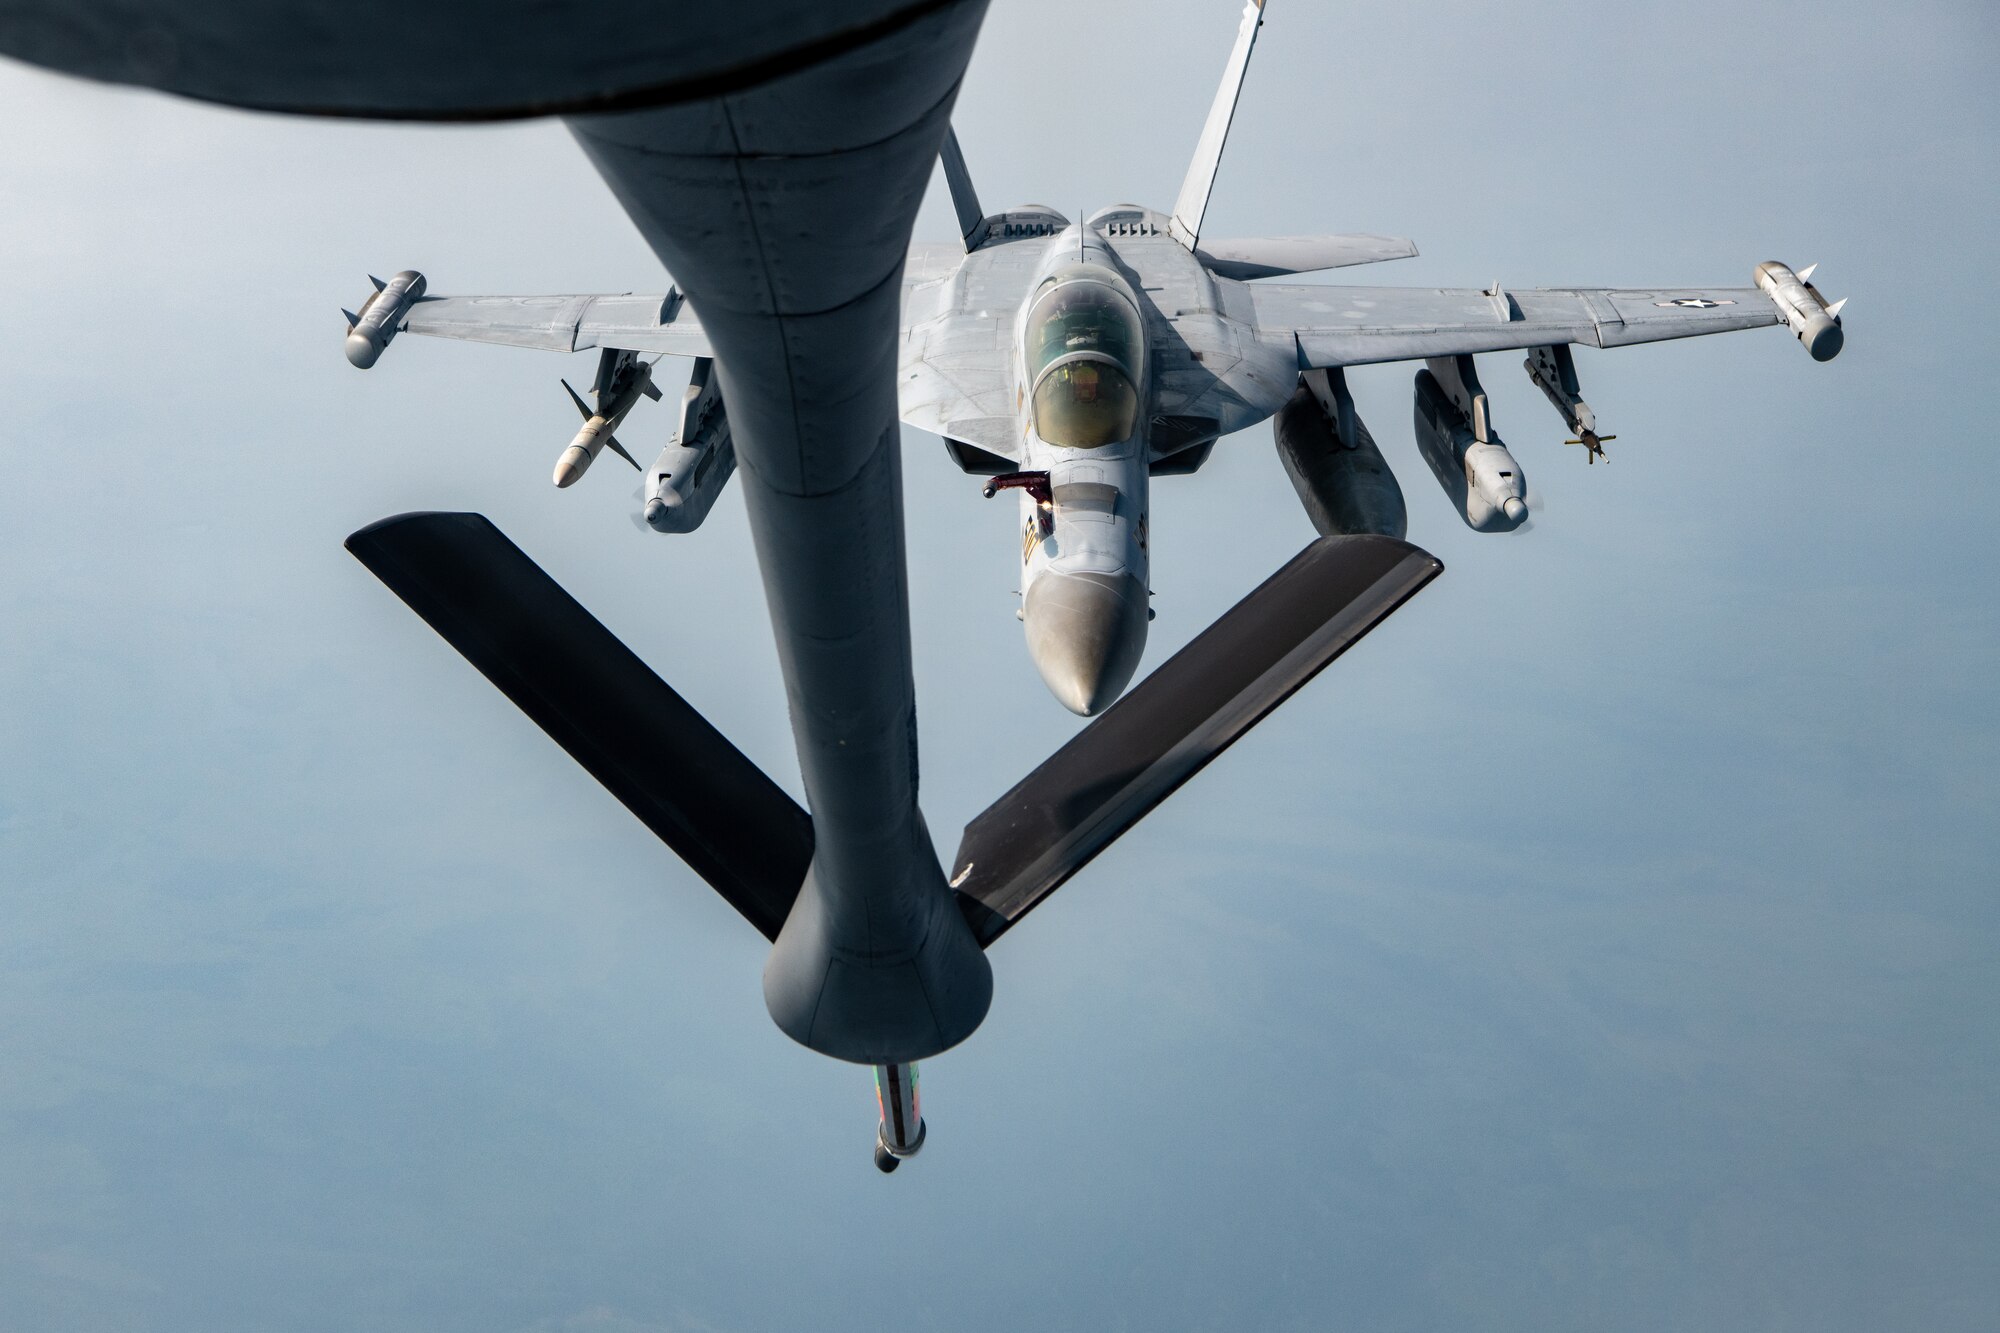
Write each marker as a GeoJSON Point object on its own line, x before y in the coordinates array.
{"type": "Point", "coordinates": [1693, 303]}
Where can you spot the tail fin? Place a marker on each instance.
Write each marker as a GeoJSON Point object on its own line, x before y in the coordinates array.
{"type": "Point", "coordinates": [1193, 203]}
{"type": "Point", "coordinates": [963, 198]}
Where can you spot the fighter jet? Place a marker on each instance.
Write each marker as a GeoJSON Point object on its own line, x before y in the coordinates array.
{"type": "Point", "coordinates": [1073, 361]}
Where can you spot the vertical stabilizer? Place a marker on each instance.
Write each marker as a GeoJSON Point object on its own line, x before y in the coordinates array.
{"type": "Point", "coordinates": [963, 198]}
{"type": "Point", "coordinates": [1193, 203]}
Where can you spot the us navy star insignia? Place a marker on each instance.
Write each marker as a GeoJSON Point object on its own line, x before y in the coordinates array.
{"type": "Point", "coordinates": [1693, 303]}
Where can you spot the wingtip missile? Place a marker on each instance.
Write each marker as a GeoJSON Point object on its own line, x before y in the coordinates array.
{"type": "Point", "coordinates": [1812, 321]}
{"type": "Point", "coordinates": [381, 317]}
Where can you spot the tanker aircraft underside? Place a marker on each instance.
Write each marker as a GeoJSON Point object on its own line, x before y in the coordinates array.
{"type": "Point", "coordinates": [1069, 361]}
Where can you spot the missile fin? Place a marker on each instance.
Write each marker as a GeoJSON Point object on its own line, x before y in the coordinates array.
{"type": "Point", "coordinates": [379, 284]}
{"type": "Point", "coordinates": [651, 390]}
{"type": "Point", "coordinates": [1805, 274]}
{"type": "Point", "coordinates": [577, 398]}
{"type": "Point", "coordinates": [1834, 309]}
{"type": "Point", "coordinates": [352, 318]}
{"type": "Point", "coordinates": [611, 443]}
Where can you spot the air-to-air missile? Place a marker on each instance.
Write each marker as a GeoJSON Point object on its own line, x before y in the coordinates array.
{"type": "Point", "coordinates": [622, 379]}
{"type": "Point", "coordinates": [1815, 323]}
{"type": "Point", "coordinates": [371, 330]}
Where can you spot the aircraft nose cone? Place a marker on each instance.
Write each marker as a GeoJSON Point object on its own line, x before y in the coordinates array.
{"type": "Point", "coordinates": [1086, 633]}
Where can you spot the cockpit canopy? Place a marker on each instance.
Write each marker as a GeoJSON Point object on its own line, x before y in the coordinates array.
{"type": "Point", "coordinates": [1085, 348]}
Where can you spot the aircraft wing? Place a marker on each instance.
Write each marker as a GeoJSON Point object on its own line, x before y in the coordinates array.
{"type": "Point", "coordinates": [563, 323]}
{"type": "Point", "coordinates": [1349, 326]}
{"type": "Point", "coordinates": [632, 322]}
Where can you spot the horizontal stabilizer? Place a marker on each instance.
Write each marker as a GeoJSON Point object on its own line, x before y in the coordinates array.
{"type": "Point", "coordinates": [1274, 256]}
{"type": "Point", "coordinates": [594, 697]}
{"type": "Point", "coordinates": [1188, 711]}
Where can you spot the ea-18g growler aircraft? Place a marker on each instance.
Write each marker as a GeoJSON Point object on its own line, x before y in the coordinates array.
{"type": "Point", "coordinates": [1067, 361]}
{"type": "Point", "coordinates": [1074, 361]}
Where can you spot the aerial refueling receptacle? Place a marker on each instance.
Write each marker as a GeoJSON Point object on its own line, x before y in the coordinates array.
{"type": "Point", "coordinates": [1815, 323]}
{"type": "Point", "coordinates": [683, 484]}
{"type": "Point", "coordinates": [371, 330]}
{"type": "Point", "coordinates": [1456, 437]}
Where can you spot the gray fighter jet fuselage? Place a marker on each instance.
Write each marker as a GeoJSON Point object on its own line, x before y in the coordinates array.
{"type": "Point", "coordinates": [1099, 370]}
{"type": "Point", "coordinates": [1085, 445]}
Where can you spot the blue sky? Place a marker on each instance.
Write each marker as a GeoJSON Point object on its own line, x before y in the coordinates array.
{"type": "Point", "coordinates": [1608, 942]}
